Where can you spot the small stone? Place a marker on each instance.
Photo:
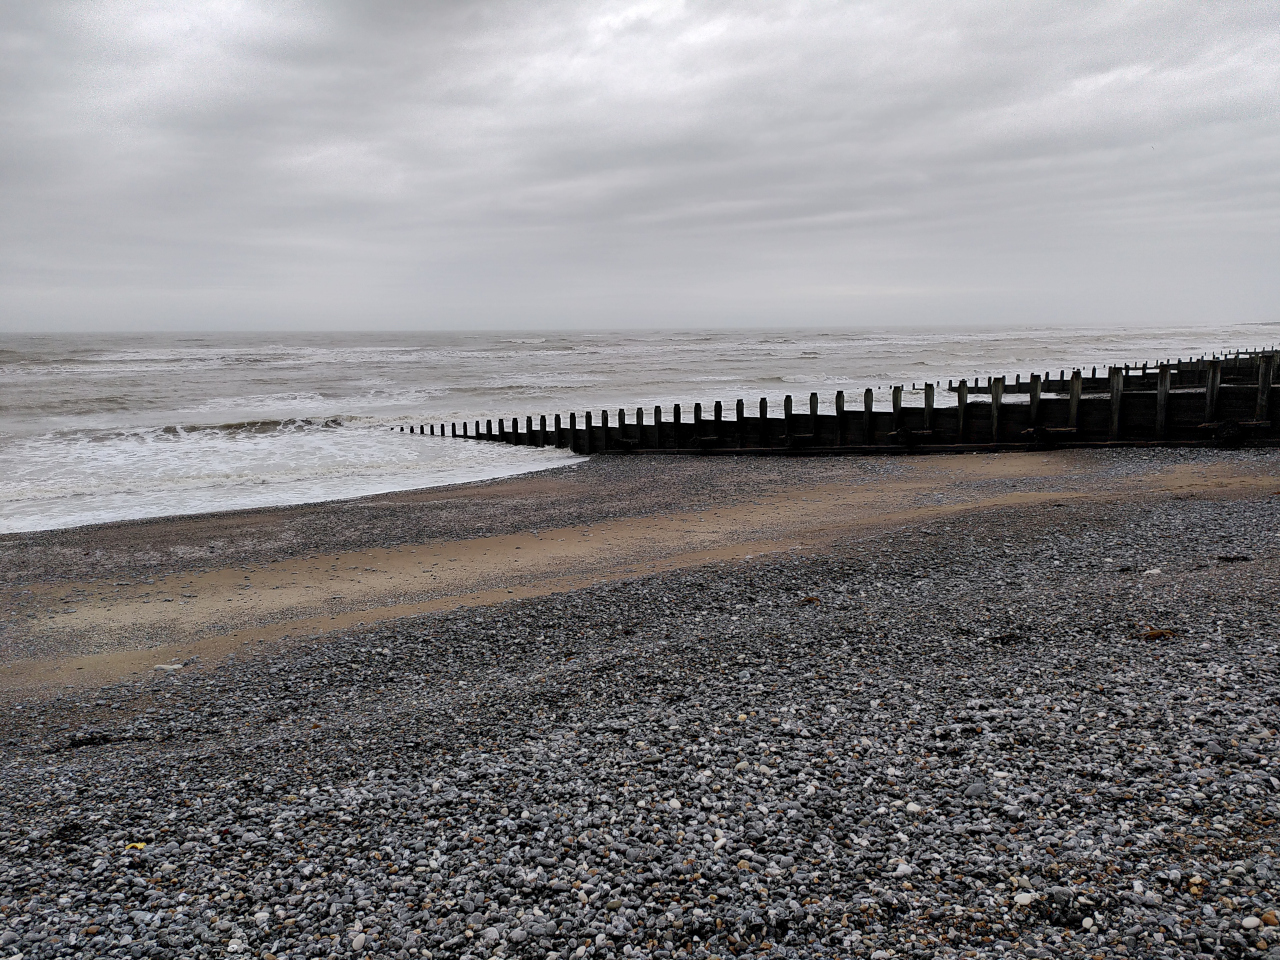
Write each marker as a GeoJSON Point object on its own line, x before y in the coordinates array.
{"type": "Point", "coordinates": [1250, 923]}
{"type": "Point", "coordinates": [673, 803]}
{"type": "Point", "coordinates": [975, 789]}
{"type": "Point", "coordinates": [1087, 923]}
{"type": "Point", "coordinates": [1024, 899]}
{"type": "Point", "coordinates": [1270, 919]}
{"type": "Point", "coordinates": [1214, 748]}
{"type": "Point", "coordinates": [914, 808]}
{"type": "Point", "coordinates": [357, 942]}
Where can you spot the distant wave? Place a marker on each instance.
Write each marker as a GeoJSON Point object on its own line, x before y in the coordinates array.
{"type": "Point", "coordinates": [254, 426]}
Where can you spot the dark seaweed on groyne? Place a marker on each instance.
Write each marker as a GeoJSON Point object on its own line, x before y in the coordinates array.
{"type": "Point", "coordinates": [1202, 401]}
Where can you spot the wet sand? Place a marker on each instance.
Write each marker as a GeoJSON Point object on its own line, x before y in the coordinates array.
{"type": "Point", "coordinates": [95, 605]}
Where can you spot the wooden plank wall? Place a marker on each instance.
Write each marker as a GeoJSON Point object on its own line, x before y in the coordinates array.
{"type": "Point", "coordinates": [1209, 401]}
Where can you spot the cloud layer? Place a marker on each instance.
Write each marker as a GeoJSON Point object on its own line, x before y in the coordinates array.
{"type": "Point", "coordinates": [223, 164]}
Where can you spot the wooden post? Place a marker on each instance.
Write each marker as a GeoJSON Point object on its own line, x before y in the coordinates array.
{"type": "Point", "coordinates": [741, 413]}
{"type": "Point", "coordinates": [719, 415]}
{"type": "Point", "coordinates": [868, 424]}
{"type": "Point", "coordinates": [897, 409]}
{"type": "Point", "coordinates": [1117, 393]}
{"type": "Point", "coordinates": [488, 429]}
{"type": "Point", "coordinates": [574, 445]}
{"type": "Point", "coordinates": [764, 422]}
{"type": "Point", "coordinates": [657, 427]}
{"type": "Point", "coordinates": [604, 430]}
{"type": "Point", "coordinates": [453, 430]}
{"type": "Point", "coordinates": [786, 415]}
{"type": "Point", "coordinates": [697, 417]}
{"type": "Point", "coordinates": [559, 442]}
{"type": "Point", "coordinates": [586, 423]}
{"type": "Point", "coordinates": [962, 403]}
{"type": "Point", "coordinates": [675, 425]}
{"type": "Point", "coordinates": [813, 411]}
{"type": "Point", "coordinates": [1263, 407]}
{"type": "Point", "coordinates": [997, 397]}
{"type": "Point", "coordinates": [840, 432]}
{"type": "Point", "coordinates": [1162, 402]}
{"type": "Point", "coordinates": [529, 436]}
{"type": "Point", "coordinates": [1073, 405]}
{"type": "Point", "coordinates": [1213, 380]}
{"type": "Point", "coordinates": [1035, 400]}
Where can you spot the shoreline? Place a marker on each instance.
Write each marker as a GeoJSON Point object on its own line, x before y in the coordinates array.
{"type": "Point", "coordinates": [96, 605]}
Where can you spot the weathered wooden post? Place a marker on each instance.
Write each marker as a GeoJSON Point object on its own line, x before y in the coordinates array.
{"type": "Point", "coordinates": [574, 445]}
{"type": "Point", "coordinates": [962, 404]}
{"type": "Point", "coordinates": [604, 430]}
{"type": "Point", "coordinates": [530, 437]}
{"type": "Point", "coordinates": [997, 397]}
{"type": "Point", "coordinates": [697, 419]}
{"type": "Point", "coordinates": [740, 412]}
{"type": "Point", "coordinates": [1162, 402]}
{"type": "Point", "coordinates": [897, 411]}
{"type": "Point", "coordinates": [1073, 404]}
{"type": "Point", "coordinates": [786, 415]}
{"type": "Point", "coordinates": [588, 443]}
{"type": "Point", "coordinates": [868, 422]}
{"type": "Point", "coordinates": [840, 437]}
{"type": "Point", "coordinates": [488, 429]}
{"type": "Point", "coordinates": [559, 437]}
{"type": "Point", "coordinates": [1117, 392]}
{"type": "Point", "coordinates": [676, 424]}
{"type": "Point", "coordinates": [1262, 409]}
{"type": "Point", "coordinates": [453, 430]}
{"type": "Point", "coordinates": [928, 407]}
{"type": "Point", "coordinates": [813, 412]}
{"type": "Point", "coordinates": [764, 422]}
{"type": "Point", "coordinates": [1213, 380]}
{"type": "Point", "coordinates": [442, 429]}
{"type": "Point", "coordinates": [1035, 400]}
{"type": "Point", "coordinates": [657, 428]}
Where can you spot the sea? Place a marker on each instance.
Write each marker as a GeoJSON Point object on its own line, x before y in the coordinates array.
{"type": "Point", "coordinates": [99, 428]}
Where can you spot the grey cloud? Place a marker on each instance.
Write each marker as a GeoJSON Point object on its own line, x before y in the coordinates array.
{"type": "Point", "coordinates": [246, 163]}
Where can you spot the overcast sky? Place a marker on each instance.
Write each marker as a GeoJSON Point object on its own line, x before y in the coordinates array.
{"type": "Point", "coordinates": [211, 165]}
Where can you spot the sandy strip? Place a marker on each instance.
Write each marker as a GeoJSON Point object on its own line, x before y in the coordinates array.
{"type": "Point", "coordinates": [96, 625]}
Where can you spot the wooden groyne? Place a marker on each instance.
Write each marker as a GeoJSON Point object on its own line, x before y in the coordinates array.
{"type": "Point", "coordinates": [1215, 401]}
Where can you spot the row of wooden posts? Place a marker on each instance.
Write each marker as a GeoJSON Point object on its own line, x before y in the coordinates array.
{"type": "Point", "coordinates": [1206, 401]}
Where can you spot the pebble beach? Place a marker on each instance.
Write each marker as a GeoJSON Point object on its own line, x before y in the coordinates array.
{"type": "Point", "coordinates": [1042, 729]}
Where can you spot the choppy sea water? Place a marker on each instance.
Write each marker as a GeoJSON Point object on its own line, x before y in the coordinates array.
{"type": "Point", "coordinates": [101, 428]}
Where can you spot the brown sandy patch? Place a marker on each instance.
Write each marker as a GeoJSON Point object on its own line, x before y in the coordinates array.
{"type": "Point", "coordinates": [116, 628]}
